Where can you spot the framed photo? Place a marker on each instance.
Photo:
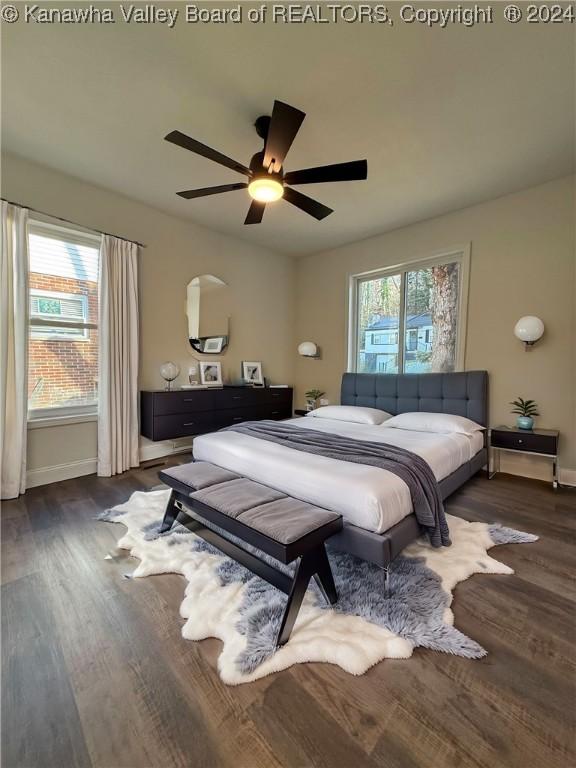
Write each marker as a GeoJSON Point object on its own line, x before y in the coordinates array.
{"type": "Point", "coordinates": [252, 374]}
{"type": "Point", "coordinates": [211, 373]}
{"type": "Point", "coordinates": [213, 345]}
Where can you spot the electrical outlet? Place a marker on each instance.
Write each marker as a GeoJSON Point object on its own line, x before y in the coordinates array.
{"type": "Point", "coordinates": [324, 401]}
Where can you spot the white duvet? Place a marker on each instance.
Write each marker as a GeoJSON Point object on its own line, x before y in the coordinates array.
{"type": "Point", "coordinates": [369, 497]}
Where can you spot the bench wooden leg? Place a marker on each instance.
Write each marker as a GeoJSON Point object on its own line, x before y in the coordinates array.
{"type": "Point", "coordinates": [170, 515]}
{"type": "Point", "coordinates": [304, 571]}
{"type": "Point", "coordinates": [324, 577]}
{"type": "Point", "coordinates": [315, 564]}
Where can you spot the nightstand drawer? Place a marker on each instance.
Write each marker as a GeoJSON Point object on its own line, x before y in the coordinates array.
{"type": "Point", "coordinates": [530, 441]}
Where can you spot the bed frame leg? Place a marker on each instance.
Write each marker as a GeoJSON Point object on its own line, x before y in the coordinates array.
{"type": "Point", "coordinates": [170, 515]}
{"type": "Point", "coordinates": [386, 571]}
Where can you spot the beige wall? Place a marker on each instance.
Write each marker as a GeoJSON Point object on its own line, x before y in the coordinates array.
{"type": "Point", "coordinates": [262, 321]}
{"type": "Point", "coordinates": [522, 262]}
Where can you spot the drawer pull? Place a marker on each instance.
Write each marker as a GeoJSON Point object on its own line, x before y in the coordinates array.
{"type": "Point", "coordinates": [520, 442]}
{"type": "Point", "coordinates": [188, 423]}
{"type": "Point", "coordinates": [238, 418]}
{"type": "Point", "coordinates": [275, 413]}
{"type": "Point", "coordinates": [236, 397]}
{"type": "Point", "coordinates": [275, 394]}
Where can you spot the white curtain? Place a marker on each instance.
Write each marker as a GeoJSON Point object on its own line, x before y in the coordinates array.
{"type": "Point", "coordinates": [118, 357]}
{"type": "Point", "coordinates": [13, 350]}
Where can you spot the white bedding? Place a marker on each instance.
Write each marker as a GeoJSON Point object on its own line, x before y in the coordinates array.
{"type": "Point", "coordinates": [369, 497]}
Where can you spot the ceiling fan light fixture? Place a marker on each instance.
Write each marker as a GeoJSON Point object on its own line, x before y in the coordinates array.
{"type": "Point", "coordinates": [265, 189]}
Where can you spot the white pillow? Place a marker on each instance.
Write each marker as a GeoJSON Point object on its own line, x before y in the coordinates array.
{"type": "Point", "coordinates": [353, 413]}
{"type": "Point", "coordinates": [443, 423]}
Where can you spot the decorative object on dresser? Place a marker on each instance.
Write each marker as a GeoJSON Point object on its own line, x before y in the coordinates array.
{"type": "Point", "coordinates": [526, 410]}
{"type": "Point", "coordinates": [537, 442]}
{"type": "Point", "coordinates": [529, 329]}
{"type": "Point", "coordinates": [174, 414]}
{"type": "Point", "coordinates": [252, 374]}
{"type": "Point", "coordinates": [211, 373]}
{"type": "Point", "coordinates": [312, 397]}
{"type": "Point", "coordinates": [169, 372]}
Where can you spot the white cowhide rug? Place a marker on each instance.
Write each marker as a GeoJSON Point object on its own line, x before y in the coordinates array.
{"type": "Point", "coordinates": [225, 601]}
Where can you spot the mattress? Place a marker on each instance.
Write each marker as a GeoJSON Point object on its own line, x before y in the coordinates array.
{"type": "Point", "coordinates": [369, 497]}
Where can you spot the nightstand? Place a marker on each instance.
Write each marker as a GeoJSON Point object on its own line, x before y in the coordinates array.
{"type": "Point", "coordinates": [538, 442]}
{"type": "Point", "coordinates": [300, 412]}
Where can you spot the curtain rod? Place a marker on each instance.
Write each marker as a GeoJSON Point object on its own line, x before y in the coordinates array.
{"type": "Point", "coordinates": [67, 221]}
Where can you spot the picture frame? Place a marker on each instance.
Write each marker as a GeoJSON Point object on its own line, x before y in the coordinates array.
{"type": "Point", "coordinates": [213, 345]}
{"type": "Point", "coordinates": [252, 373]}
{"type": "Point", "coordinates": [211, 373]}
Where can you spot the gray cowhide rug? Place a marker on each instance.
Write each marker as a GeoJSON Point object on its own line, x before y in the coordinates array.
{"type": "Point", "coordinates": [224, 600]}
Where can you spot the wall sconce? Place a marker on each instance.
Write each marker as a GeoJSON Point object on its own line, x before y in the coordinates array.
{"type": "Point", "coordinates": [529, 329]}
{"type": "Point", "coordinates": [309, 349]}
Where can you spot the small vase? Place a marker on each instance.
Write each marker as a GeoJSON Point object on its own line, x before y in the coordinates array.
{"type": "Point", "coordinates": [310, 405]}
{"type": "Point", "coordinates": [524, 422]}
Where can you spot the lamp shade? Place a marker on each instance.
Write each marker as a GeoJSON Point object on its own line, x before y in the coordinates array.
{"type": "Point", "coordinates": [308, 349]}
{"type": "Point", "coordinates": [529, 329]}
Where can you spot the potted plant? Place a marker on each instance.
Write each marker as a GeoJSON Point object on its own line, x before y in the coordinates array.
{"type": "Point", "coordinates": [311, 398]}
{"type": "Point", "coordinates": [526, 409]}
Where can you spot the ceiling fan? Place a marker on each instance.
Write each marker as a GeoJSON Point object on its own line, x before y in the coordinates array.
{"type": "Point", "coordinates": [267, 180]}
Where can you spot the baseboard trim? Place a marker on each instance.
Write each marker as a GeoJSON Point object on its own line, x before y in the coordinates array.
{"type": "Point", "coordinates": [72, 469]}
{"type": "Point", "coordinates": [567, 476]}
{"type": "Point", "coordinates": [58, 472]}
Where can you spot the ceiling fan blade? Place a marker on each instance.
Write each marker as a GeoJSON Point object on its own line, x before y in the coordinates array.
{"type": "Point", "coordinates": [354, 171]}
{"type": "Point", "coordinates": [284, 125]}
{"type": "Point", "coordinates": [176, 137]}
{"type": "Point", "coordinates": [306, 204]}
{"type": "Point", "coordinates": [188, 194]}
{"type": "Point", "coordinates": [255, 213]}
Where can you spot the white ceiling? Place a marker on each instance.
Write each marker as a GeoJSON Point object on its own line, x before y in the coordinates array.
{"type": "Point", "coordinates": [446, 118]}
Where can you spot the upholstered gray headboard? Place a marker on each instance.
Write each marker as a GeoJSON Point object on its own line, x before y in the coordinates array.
{"type": "Point", "coordinates": [465, 394]}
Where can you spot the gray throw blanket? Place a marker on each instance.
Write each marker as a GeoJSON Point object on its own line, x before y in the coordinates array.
{"type": "Point", "coordinates": [412, 469]}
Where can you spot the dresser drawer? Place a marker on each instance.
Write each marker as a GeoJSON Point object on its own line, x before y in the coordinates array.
{"type": "Point", "coordinates": [278, 396]}
{"type": "Point", "coordinates": [530, 441]}
{"type": "Point", "coordinates": [181, 425]}
{"type": "Point", "coordinates": [229, 416]}
{"type": "Point", "coordinates": [165, 403]}
{"type": "Point", "coordinates": [275, 411]}
{"type": "Point", "coordinates": [237, 397]}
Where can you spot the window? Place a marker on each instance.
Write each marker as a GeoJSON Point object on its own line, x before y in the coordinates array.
{"type": "Point", "coordinates": [385, 338]}
{"type": "Point", "coordinates": [426, 301]}
{"type": "Point", "coordinates": [52, 305]}
{"type": "Point", "coordinates": [63, 302]}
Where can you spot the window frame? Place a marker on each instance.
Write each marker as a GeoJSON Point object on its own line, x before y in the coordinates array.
{"type": "Point", "coordinates": [44, 227]}
{"type": "Point", "coordinates": [459, 254]}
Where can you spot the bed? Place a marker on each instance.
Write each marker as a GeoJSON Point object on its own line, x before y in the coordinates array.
{"type": "Point", "coordinates": [375, 504]}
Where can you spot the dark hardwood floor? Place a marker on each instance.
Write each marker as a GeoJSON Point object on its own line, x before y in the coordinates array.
{"type": "Point", "coordinates": [95, 672]}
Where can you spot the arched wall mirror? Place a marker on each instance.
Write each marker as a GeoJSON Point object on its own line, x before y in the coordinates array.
{"type": "Point", "coordinates": [208, 310]}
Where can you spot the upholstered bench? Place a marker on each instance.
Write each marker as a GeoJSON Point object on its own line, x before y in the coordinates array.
{"type": "Point", "coordinates": [286, 529]}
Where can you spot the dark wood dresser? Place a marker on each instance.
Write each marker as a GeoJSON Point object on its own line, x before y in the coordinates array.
{"type": "Point", "coordinates": [168, 415]}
